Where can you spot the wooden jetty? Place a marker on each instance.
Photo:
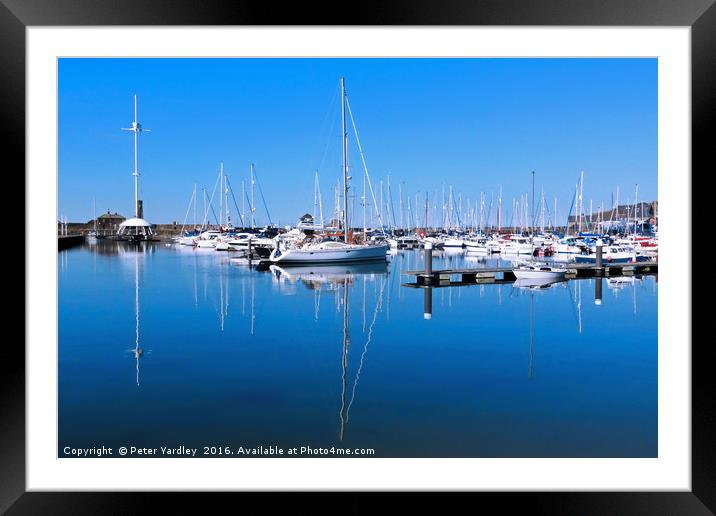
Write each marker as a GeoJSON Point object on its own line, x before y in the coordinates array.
{"type": "Point", "coordinates": [476, 276]}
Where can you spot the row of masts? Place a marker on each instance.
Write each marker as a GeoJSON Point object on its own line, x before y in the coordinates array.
{"type": "Point", "coordinates": [485, 214]}
{"type": "Point", "coordinates": [226, 194]}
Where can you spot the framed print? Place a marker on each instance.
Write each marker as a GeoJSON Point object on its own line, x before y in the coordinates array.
{"type": "Point", "coordinates": [417, 253]}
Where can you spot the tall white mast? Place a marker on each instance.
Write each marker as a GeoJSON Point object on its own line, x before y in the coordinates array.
{"type": "Point", "coordinates": [365, 200]}
{"type": "Point", "coordinates": [380, 214]}
{"type": "Point", "coordinates": [345, 160]}
{"type": "Point", "coordinates": [320, 199]}
{"type": "Point", "coordinates": [221, 194]}
{"type": "Point", "coordinates": [499, 210]}
{"type": "Point", "coordinates": [253, 208]}
{"type": "Point", "coordinates": [636, 201]}
{"type": "Point", "coordinates": [136, 129]}
{"type": "Point", "coordinates": [581, 198]}
{"type": "Point", "coordinates": [243, 203]}
{"type": "Point", "coordinates": [400, 200]}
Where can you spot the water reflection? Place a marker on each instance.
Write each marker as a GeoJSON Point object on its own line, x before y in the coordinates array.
{"type": "Point", "coordinates": [345, 354]}
{"type": "Point", "coordinates": [341, 279]}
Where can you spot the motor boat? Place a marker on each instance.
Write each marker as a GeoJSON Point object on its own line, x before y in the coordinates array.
{"type": "Point", "coordinates": [610, 254]}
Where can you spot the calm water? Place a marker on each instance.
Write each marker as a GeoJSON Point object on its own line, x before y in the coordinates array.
{"type": "Point", "coordinates": [167, 346]}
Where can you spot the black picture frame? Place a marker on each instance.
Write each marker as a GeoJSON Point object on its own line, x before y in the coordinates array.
{"type": "Point", "coordinates": [700, 15]}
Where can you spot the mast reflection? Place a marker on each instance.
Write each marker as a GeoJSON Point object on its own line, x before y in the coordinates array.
{"type": "Point", "coordinates": [340, 279]}
{"type": "Point", "coordinates": [138, 352]}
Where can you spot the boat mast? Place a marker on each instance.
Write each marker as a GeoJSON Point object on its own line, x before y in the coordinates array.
{"type": "Point", "coordinates": [221, 196]}
{"type": "Point", "coordinates": [580, 203]}
{"type": "Point", "coordinates": [499, 211]}
{"type": "Point", "coordinates": [253, 209]}
{"type": "Point", "coordinates": [636, 203]}
{"type": "Point", "coordinates": [532, 222]}
{"type": "Point", "coordinates": [426, 212]}
{"type": "Point", "coordinates": [380, 214]}
{"type": "Point", "coordinates": [345, 160]}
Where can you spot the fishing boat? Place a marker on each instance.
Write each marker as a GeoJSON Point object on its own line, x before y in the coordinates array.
{"type": "Point", "coordinates": [538, 271]}
{"type": "Point", "coordinates": [328, 251]}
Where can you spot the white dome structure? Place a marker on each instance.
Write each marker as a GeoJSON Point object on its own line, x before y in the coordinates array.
{"type": "Point", "coordinates": [135, 229]}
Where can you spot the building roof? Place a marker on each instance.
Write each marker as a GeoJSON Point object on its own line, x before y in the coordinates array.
{"type": "Point", "coordinates": [109, 215]}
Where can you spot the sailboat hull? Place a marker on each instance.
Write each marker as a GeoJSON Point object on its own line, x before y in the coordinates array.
{"type": "Point", "coordinates": [348, 254]}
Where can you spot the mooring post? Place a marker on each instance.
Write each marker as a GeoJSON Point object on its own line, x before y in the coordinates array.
{"type": "Point", "coordinates": [600, 268]}
{"type": "Point", "coordinates": [428, 262]}
{"type": "Point", "coordinates": [598, 291]}
{"type": "Point", "coordinates": [428, 303]}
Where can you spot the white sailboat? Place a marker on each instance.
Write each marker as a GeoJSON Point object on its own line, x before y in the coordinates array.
{"type": "Point", "coordinates": [331, 251]}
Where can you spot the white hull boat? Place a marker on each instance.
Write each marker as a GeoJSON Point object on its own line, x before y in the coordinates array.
{"type": "Point", "coordinates": [329, 252]}
{"type": "Point", "coordinates": [538, 271]}
{"type": "Point", "coordinates": [478, 246]}
{"type": "Point", "coordinates": [186, 240]}
{"type": "Point", "coordinates": [517, 249]}
{"type": "Point", "coordinates": [454, 242]}
{"type": "Point", "coordinates": [206, 244]}
{"type": "Point", "coordinates": [536, 284]}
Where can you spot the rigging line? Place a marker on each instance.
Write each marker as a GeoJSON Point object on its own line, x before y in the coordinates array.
{"type": "Point", "coordinates": [256, 178]}
{"type": "Point", "coordinates": [186, 216]}
{"type": "Point", "coordinates": [238, 211]}
{"type": "Point", "coordinates": [215, 217]}
{"type": "Point", "coordinates": [331, 108]}
{"type": "Point", "coordinates": [365, 167]}
{"type": "Point", "coordinates": [346, 344]}
{"type": "Point", "coordinates": [574, 198]}
{"type": "Point", "coordinates": [365, 348]}
{"type": "Point", "coordinates": [489, 212]}
{"type": "Point", "coordinates": [571, 298]}
{"type": "Point", "coordinates": [211, 200]}
{"type": "Point", "coordinates": [251, 206]}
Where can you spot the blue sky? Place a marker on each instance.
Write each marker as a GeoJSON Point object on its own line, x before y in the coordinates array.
{"type": "Point", "coordinates": [475, 124]}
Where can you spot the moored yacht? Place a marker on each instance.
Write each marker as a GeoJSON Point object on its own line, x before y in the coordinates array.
{"type": "Point", "coordinates": [316, 250]}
